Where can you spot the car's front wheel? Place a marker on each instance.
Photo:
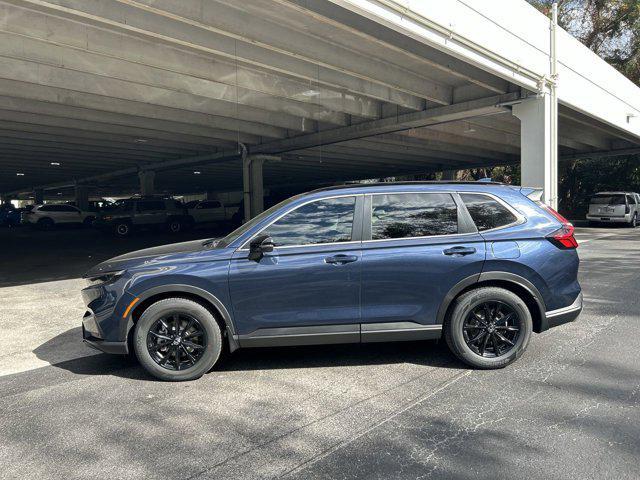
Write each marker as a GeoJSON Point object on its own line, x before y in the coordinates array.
{"type": "Point", "coordinates": [489, 327]}
{"type": "Point", "coordinates": [177, 339]}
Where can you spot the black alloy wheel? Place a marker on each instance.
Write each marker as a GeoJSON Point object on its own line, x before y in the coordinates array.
{"type": "Point", "coordinates": [176, 341]}
{"type": "Point", "coordinates": [491, 329]}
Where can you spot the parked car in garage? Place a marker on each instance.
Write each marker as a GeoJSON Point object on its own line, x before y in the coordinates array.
{"type": "Point", "coordinates": [614, 207]}
{"type": "Point", "coordinates": [49, 215]}
{"type": "Point", "coordinates": [129, 215]}
{"type": "Point", "coordinates": [10, 216]}
{"type": "Point", "coordinates": [210, 211]}
{"type": "Point", "coordinates": [482, 265]}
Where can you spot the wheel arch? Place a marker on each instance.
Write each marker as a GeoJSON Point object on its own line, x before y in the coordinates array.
{"type": "Point", "coordinates": [509, 281]}
{"type": "Point", "coordinates": [204, 298]}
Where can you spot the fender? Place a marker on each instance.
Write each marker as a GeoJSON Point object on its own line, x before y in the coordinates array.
{"type": "Point", "coordinates": [199, 292]}
{"type": "Point", "coordinates": [492, 276]}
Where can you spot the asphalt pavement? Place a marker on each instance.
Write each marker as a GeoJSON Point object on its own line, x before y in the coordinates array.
{"type": "Point", "coordinates": [569, 408]}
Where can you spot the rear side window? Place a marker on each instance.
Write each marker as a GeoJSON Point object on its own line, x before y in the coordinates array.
{"type": "Point", "coordinates": [631, 199]}
{"type": "Point", "coordinates": [486, 212]}
{"type": "Point", "coordinates": [405, 215]}
{"type": "Point", "coordinates": [148, 206]}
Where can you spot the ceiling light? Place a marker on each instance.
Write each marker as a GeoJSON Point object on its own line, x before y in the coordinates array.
{"type": "Point", "coordinates": [197, 172]}
{"type": "Point", "coordinates": [19, 174]}
{"type": "Point", "coordinates": [141, 140]}
{"type": "Point", "coordinates": [57, 164]}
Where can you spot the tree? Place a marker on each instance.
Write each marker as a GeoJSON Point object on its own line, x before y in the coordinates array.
{"type": "Point", "coordinates": [610, 28]}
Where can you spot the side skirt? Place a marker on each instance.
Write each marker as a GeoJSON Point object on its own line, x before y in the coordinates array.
{"type": "Point", "coordinates": [336, 334]}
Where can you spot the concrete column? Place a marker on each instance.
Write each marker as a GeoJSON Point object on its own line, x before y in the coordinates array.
{"type": "Point", "coordinates": [38, 196]}
{"type": "Point", "coordinates": [253, 187]}
{"type": "Point", "coordinates": [449, 175]}
{"type": "Point", "coordinates": [6, 199]}
{"type": "Point", "coordinates": [82, 197]}
{"type": "Point", "coordinates": [257, 187]}
{"type": "Point", "coordinates": [538, 146]}
{"type": "Point", "coordinates": [147, 178]}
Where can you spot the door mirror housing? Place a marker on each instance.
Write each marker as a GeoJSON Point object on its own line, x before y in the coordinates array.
{"type": "Point", "coordinates": [259, 246]}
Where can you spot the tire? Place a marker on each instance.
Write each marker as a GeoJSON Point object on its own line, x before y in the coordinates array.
{"type": "Point", "coordinates": [45, 224]}
{"type": "Point", "coordinates": [161, 313]}
{"type": "Point", "coordinates": [87, 222]}
{"type": "Point", "coordinates": [462, 317]}
{"type": "Point", "coordinates": [174, 225]}
{"type": "Point", "coordinates": [634, 221]}
{"type": "Point", "coordinates": [122, 229]}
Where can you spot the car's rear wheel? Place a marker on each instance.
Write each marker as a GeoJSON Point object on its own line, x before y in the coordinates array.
{"type": "Point", "coordinates": [177, 339]}
{"type": "Point", "coordinates": [87, 222]}
{"type": "Point", "coordinates": [45, 224]}
{"type": "Point", "coordinates": [489, 327]}
{"type": "Point", "coordinates": [174, 225]}
{"type": "Point", "coordinates": [122, 229]}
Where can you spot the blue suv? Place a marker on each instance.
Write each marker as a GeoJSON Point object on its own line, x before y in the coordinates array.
{"type": "Point", "coordinates": [480, 264]}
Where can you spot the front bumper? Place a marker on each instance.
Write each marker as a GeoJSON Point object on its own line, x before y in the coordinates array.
{"type": "Point", "coordinates": [566, 314]}
{"type": "Point", "coordinates": [91, 336]}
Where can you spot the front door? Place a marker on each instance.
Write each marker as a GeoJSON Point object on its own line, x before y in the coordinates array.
{"type": "Point", "coordinates": [417, 249]}
{"type": "Point", "coordinates": [310, 284]}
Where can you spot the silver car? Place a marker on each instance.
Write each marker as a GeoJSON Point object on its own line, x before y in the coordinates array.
{"type": "Point", "coordinates": [614, 207]}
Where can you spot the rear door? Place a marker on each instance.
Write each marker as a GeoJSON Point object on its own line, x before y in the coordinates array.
{"type": "Point", "coordinates": [150, 212]}
{"type": "Point", "coordinates": [416, 247]}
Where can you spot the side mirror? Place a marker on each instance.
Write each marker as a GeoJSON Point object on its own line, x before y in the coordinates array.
{"type": "Point", "coordinates": [259, 246]}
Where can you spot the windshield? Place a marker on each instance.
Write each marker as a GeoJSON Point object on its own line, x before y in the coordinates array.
{"type": "Point", "coordinates": [608, 199]}
{"type": "Point", "coordinates": [226, 241]}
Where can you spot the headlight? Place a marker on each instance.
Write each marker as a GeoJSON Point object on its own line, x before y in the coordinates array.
{"type": "Point", "coordinates": [104, 278]}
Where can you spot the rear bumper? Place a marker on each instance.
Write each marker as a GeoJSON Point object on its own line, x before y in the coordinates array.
{"type": "Point", "coordinates": [609, 219]}
{"type": "Point", "coordinates": [564, 315]}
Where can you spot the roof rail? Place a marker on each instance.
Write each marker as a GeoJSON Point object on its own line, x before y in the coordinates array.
{"type": "Point", "coordinates": [417, 182]}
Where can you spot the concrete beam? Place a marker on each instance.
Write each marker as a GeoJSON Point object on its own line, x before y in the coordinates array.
{"type": "Point", "coordinates": [433, 116]}
{"type": "Point", "coordinates": [205, 40]}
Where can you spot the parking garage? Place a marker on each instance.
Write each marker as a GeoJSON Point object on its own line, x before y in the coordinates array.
{"type": "Point", "coordinates": [114, 98]}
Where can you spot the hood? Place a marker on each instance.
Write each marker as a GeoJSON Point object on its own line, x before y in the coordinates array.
{"type": "Point", "coordinates": [153, 255]}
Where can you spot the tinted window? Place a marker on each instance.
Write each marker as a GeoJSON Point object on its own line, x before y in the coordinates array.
{"type": "Point", "coordinates": [402, 215]}
{"type": "Point", "coordinates": [486, 212]}
{"type": "Point", "coordinates": [210, 204]}
{"type": "Point", "coordinates": [632, 200]}
{"type": "Point", "coordinates": [67, 208]}
{"type": "Point", "coordinates": [324, 221]}
{"type": "Point", "coordinates": [147, 206]}
{"type": "Point", "coordinates": [191, 204]}
{"type": "Point", "coordinates": [604, 199]}
{"type": "Point", "coordinates": [46, 208]}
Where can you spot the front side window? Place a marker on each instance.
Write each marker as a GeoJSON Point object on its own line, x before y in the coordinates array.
{"type": "Point", "coordinates": [405, 215]}
{"type": "Point", "coordinates": [487, 212]}
{"type": "Point", "coordinates": [323, 221]}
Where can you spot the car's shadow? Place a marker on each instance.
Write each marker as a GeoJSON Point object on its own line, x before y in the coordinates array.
{"type": "Point", "coordinates": [426, 353]}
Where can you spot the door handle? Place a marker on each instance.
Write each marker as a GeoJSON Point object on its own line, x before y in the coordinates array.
{"type": "Point", "coordinates": [340, 259]}
{"type": "Point", "coordinates": [459, 251]}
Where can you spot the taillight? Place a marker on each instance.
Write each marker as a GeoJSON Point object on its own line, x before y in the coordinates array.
{"type": "Point", "coordinates": [563, 237]}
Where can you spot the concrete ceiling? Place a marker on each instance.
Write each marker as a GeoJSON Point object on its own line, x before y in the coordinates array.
{"type": "Point", "coordinates": [91, 91]}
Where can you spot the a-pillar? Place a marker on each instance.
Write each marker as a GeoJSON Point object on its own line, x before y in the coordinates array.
{"type": "Point", "coordinates": [539, 146]}
{"type": "Point", "coordinates": [38, 196]}
{"type": "Point", "coordinates": [82, 197]}
{"type": "Point", "coordinates": [147, 178]}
